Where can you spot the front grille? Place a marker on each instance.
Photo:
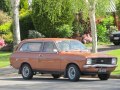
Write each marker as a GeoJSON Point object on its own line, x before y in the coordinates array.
{"type": "Point", "coordinates": [101, 60]}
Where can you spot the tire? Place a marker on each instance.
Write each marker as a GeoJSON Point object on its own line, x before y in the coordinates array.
{"type": "Point", "coordinates": [103, 76]}
{"type": "Point", "coordinates": [27, 72]}
{"type": "Point", "coordinates": [55, 76]}
{"type": "Point", "coordinates": [116, 43]}
{"type": "Point", "coordinates": [73, 72]}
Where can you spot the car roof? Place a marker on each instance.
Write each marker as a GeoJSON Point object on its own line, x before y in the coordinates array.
{"type": "Point", "coordinates": [45, 39]}
{"type": "Point", "coordinates": [118, 32]}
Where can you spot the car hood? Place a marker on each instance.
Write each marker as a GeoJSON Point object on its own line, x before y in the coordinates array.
{"type": "Point", "coordinates": [87, 54]}
{"type": "Point", "coordinates": [118, 32]}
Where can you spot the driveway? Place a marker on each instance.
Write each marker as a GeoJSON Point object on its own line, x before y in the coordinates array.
{"type": "Point", "coordinates": [105, 48]}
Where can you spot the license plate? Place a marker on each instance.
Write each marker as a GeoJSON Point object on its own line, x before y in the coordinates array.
{"type": "Point", "coordinates": [116, 38]}
{"type": "Point", "coordinates": [101, 70]}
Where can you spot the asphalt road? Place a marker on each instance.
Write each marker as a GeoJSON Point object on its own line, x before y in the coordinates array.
{"type": "Point", "coordinates": [48, 83]}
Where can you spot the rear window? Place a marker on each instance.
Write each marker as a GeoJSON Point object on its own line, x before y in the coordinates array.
{"type": "Point", "coordinates": [32, 46]}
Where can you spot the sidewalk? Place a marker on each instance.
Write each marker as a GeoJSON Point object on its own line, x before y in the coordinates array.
{"type": "Point", "coordinates": [7, 70]}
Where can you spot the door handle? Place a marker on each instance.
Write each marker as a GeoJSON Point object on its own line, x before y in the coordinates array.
{"type": "Point", "coordinates": [40, 55]}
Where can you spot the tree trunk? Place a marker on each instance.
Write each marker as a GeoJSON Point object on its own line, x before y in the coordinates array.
{"type": "Point", "coordinates": [16, 27]}
{"type": "Point", "coordinates": [93, 29]}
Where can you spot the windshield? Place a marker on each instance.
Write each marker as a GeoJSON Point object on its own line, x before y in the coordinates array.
{"type": "Point", "coordinates": [69, 45]}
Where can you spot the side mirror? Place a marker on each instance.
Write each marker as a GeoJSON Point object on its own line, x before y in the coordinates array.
{"type": "Point", "coordinates": [55, 50]}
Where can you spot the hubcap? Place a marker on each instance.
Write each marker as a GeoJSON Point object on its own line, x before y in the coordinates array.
{"type": "Point", "coordinates": [71, 73]}
{"type": "Point", "coordinates": [25, 71]}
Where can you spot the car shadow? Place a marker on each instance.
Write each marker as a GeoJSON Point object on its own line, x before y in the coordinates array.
{"type": "Point", "coordinates": [49, 79]}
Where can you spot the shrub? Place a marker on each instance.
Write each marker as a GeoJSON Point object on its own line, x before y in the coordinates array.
{"type": "Point", "coordinates": [54, 19]}
{"type": "Point", "coordinates": [26, 24]}
{"type": "Point", "coordinates": [64, 31]}
{"type": "Point", "coordinates": [4, 17]}
{"type": "Point", "coordinates": [24, 5]}
{"type": "Point", "coordinates": [2, 43]}
{"type": "Point", "coordinates": [35, 34]}
{"type": "Point", "coordinates": [5, 29]}
{"type": "Point", "coordinates": [102, 33]}
{"type": "Point", "coordinates": [5, 6]}
{"type": "Point", "coordinates": [103, 29]}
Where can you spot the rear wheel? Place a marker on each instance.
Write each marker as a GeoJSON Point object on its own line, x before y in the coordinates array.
{"type": "Point", "coordinates": [55, 76]}
{"type": "Point", "coordinates": [116, 43]}
{"type": "Point", "coordinates": [27, 72]}
{"type": "Point", "coordinates": [73, 73]}
{"type": "Point", "coordinates": [103, 76]}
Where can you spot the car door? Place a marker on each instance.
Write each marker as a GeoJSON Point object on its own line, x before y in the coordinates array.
{"type": "Point", "coordinates": [29, 52]}
{"type": "Point", "coordinates": [49, 60]}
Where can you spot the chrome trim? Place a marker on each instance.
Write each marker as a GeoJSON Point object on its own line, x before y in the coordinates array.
{"type": "Point", "coordinates": [99, 65]}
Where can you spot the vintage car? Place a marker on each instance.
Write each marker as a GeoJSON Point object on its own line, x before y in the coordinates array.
{"type": "Point", "coordinates": [115, 38]}
{"type": "Point", "coordinates": [60, 56]}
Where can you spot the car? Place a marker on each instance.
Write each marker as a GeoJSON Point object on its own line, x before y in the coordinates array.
{"type": "Point", "coordinates": [115, 38]}
{"type": "Point", "coordinates": [60, 56]}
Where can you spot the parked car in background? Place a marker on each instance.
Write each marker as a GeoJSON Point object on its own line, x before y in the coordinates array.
{"type": "Point", "coordinates": [59, 56]}
{"type": "Point", "coordinates": [115, 38]}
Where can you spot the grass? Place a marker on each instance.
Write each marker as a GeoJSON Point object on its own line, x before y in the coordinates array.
{"type": "Point", "coordinates": [116, 53]}
{"type": "Point", "coordinates": [4, 59]}
{"type": "Point", "coordinates": [99, 43]}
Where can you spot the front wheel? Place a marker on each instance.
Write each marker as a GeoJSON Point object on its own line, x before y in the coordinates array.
{"type": "Point", "coordinates": [116, 43]}
{"type": "Point", "coordinates": [103, 76]}
{"type": "Point", "coordinates": [73, 73]}
{"type": "Point", "coordinates": [27, 72]}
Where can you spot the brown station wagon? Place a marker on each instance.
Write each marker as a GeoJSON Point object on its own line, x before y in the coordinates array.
{"type": "Point", "coordinates": [59, 56]}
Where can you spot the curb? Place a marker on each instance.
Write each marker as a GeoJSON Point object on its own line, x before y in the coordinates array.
{"type": "Point", "coordinates": [115, 76]}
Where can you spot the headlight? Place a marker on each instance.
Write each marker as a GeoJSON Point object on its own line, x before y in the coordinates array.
{"type": "Point", "coordinates": [111, 35]}
{"type": "Point", "coordinates": [114, 61]}
{"type": "Point", "coordinates": [89, 61]}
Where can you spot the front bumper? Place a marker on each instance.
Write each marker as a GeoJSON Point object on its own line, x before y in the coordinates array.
{"type": "Point", "coordinates": [99, 66]}
{"type": "Point", "coordinates": [114, 39]}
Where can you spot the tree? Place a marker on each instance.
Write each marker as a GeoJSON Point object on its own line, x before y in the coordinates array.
{"type": "Point", "coordinates": [5, 6]}
{"type": "Point", "coordinates": [53, 18]}
{"type": "Point", "coordinates": [92, 6]}
{"type": "Point", "coordinates": [49, 15]}
{"type": "Point", "coordinates": [118, 7]}
{"type": "Point", "coordinates": [16, 27]}
{"type": "Point", "coordinates": [24, 4]}
{"type": "Point", "coordinates": [5, 18]}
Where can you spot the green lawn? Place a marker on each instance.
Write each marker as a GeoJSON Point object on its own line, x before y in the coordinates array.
{"type": "Point", "coordinates": [116, 53]}
{"type": "Point", "coordinates": [4, 59]}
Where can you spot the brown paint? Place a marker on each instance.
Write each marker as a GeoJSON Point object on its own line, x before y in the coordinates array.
{"type": "Point", "coordinates": [54, 61]}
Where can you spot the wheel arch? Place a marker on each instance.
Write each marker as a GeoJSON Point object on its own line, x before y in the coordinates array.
{"type": "Point", "coordinates": [19, 72]}
{"type": "Point", "coordinates": [65, 73]}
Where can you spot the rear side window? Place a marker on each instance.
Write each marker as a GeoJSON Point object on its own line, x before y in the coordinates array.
{"type": "Point", "coordinates": [49, 47]}
{"type": "Point", "coordinates": [34, 47]}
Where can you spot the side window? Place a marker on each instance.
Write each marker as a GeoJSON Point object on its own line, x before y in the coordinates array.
{"type": "Point", "coordinates": [49, 47]}
{"type": "Point", "coordinates": [34, 47]}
